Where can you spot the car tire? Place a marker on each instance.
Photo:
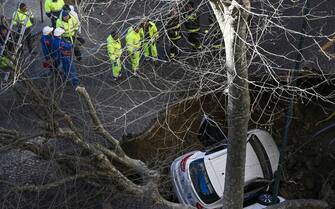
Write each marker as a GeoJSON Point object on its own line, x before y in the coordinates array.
{"type": "Point", "coordinates": [266, 199]}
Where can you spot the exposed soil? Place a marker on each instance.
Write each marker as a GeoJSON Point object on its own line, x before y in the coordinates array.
{"type": "Point", "coordinates": [308, 169]}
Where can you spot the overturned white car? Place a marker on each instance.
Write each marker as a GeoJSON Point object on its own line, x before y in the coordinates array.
{"type": "Point", "coordinates": [198, 177]}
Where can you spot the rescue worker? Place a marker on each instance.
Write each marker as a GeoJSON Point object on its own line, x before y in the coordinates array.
{"type": "Point", "coordinates": [62, 52]}
{"type": "Point", "coordinates": [72, 12]}
{"type": "Point", "coordinates": [213, 35]}
{"type": "Point", "coordinates": [133, 45]}
{"type": "Point", "coordinates": [20, 20]}
{"type": "Point", "coordinates": [46, 42]}
{"type": "Point", "coordinates": [174, 32]}
{"type": "Point", "coordinates": [70, 25]}
{"type": "Point", "coordinates": [70, 9]}
{"type": "Point", "coordinates": [114, 50]}
{"type": "Point", "coordinates": [150, 37]}
{"type": "Point", "coordinates": [192, 25]}
{"type": "Point", "coordinates": [53, 9]}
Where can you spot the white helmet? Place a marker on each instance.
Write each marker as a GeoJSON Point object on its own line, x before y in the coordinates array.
{"type": "Point", "coordinates": [46, 30]}
{"type": "Point", "coordinates": [58, 31]}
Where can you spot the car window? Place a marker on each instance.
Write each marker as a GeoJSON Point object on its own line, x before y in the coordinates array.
{"type": "Point", "coordinates": [256, 185]}
{"type": "Point", "coordinates": [216, 149]}
{"type": "Point", "coordinates": [201, 182]}
{"type": "Point", "coordinates": [211, 132]}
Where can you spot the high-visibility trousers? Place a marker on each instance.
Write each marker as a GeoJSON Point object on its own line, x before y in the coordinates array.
{"type": "Point", "coordinates": [150, 49]}
{"type": "Point", "coordinates": [116, 67]}
{"type": "Point", "coordinates": [135, 59]}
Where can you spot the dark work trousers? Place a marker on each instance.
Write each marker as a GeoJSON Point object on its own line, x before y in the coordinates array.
{"type": "Point", "coordinates": [193, 38]}
{"type": "Point", "coordinates": [53, 17]}
{"type": "Point", "coordinates": [70, 70]}
{"type": "Point", "coordinates": [174, 51]}
{"type": "Point", "coordinates": [28, 39]}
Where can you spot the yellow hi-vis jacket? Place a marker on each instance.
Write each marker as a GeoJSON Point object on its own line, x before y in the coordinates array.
{"type": "Point", "coordinates": [114, 48]}
{"type": "Point", "coordinates": [152, 30]}
{"type": "Point", "coordinates": [133, 40]}
{"type": "Point", "coordinates": [70, 27]}
{"type": "Point", "coordinates": [21, 18]}
{"type": "Point", "coordinates": [50, 6]}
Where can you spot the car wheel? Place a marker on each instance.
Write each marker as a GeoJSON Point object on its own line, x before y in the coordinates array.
{"type": "Point", "coordinates": [266, 199]}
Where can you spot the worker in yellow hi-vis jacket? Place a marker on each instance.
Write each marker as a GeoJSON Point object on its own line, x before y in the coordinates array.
{"type": "Point", "coordinates": [114, 49]}
{"type": "Point", "coordinates": [70, 25]}
{"type": "Point", "coordinates": [133, 44]}
{"type": "Point", "coordinates": [20, 17]}
{"type": "Point", "coordinates": [150, 35]}
{"type": "Point", "coordinates": [53, 9]}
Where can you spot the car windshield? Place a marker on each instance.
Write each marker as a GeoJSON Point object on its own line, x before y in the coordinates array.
{"type": "Point", "coordinates": [211, 132]}
{"type": "Point", "coordinates": [201, 182]}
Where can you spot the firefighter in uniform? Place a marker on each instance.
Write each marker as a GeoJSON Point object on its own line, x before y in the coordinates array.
{"type": "Point", "coordinates": [70, 25]}
{"type": "Point", "coordinates": [133, 45]}
{"type": "Point", "coordinates": [53, 9]}
{"type": "Point", "coordinates": [114, 49]}
{"type": "Point", "coordinates": [149, 36]}
{"type": "Point", "coordinates": [192, 25]}
{"type": "Point", "coordinates": [213, 35]}
{"type": "Point", "coordinates": [20, 20]}
{"type": "Point", "coordinates": [174, 32]}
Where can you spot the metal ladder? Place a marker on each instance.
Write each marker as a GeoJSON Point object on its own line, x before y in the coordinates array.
{"type": "Point", "coordinates": [16, 41]}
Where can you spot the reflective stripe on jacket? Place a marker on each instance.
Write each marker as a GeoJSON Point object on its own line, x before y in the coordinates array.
{"type": "Point", "coordinates": [70, 27]}
{"type": "Point", "coordinates": [192, 23]}
{"type": "Point", "coordinates": [152, 30]}
{"type": "Point", "coordinates": [174, 29]}
{"type": "Point", "coordinates": [50, 6]}
{"type": "Point", "coordinates": [20, 18]}
{"type": "Point", "coordinates": [133, 40]}
{"type": "Point", "coordinates": [114, 48]}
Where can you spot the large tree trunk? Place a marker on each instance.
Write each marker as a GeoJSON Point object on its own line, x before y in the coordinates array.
{"type": "Point", "coordinates": [233, 23]}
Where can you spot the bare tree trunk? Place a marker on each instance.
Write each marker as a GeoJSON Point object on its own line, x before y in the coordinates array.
{"type": "Point", "coordinates": [233, 23]}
